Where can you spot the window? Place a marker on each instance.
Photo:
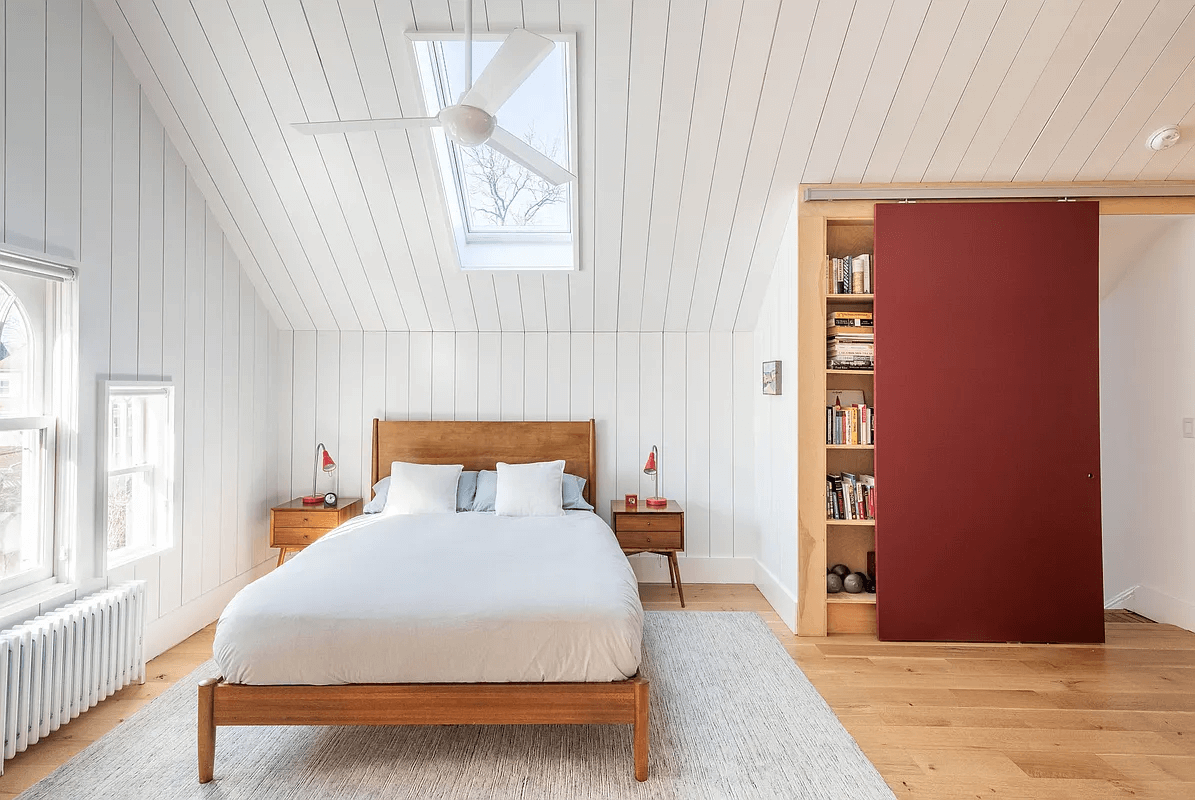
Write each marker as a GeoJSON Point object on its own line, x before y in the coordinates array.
{"type": "Point", "coordinates": [140, 473]}
{"type": "Point", "coordinates": [503, 216]}
{"type": "Point", "coordinates": [27, 434]}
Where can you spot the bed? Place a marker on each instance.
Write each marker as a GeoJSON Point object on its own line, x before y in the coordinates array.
{"type": "Point", "coordinates": [442, 660]}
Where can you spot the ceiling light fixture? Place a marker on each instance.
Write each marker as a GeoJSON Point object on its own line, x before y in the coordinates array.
{"type": "Point", "coordinates": [1164, 138]}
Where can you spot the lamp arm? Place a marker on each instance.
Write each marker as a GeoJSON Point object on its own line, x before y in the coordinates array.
{"type": "Point", "coordinates": [315, 469]}
{"type": "Point", "coordinates": [659, 472]}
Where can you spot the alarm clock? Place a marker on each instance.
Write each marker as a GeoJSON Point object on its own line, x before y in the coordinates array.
{"type": "Point", "coordinates": [330, 499]}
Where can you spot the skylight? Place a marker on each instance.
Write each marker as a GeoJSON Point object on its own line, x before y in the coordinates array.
{"type": "Point", "coordinates": [503, 216]}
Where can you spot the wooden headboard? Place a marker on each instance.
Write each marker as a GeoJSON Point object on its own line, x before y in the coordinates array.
{"type": "Point", "coordinates": [481, 445]}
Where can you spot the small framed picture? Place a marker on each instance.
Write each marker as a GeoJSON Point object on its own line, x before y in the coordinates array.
{"type": "Point", "coordinates": [771, 377]}
{"type": "Point", "coordinates": [631, 502]}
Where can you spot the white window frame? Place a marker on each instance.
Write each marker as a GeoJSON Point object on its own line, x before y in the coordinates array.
{"type": "Point", "coordinates": [47, 426]}
{"type": "Point", "coordinates": [518, 250]}
{"type": "Point", "coordinates": [165, 539]}
{"type": "Point", "coordinates": [58, 356]}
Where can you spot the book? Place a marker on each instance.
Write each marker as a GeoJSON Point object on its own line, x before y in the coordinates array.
{"type": "Point", "coordinates": [852, 330]}
{"type": "Point", "coordinates": [850, 496]}
{"type": "Point", "coordinates": [852, 423]}
{"type": "Point", "coordinates": [846, 319]}
{"type": "Point", "coordinates": [849, 274]}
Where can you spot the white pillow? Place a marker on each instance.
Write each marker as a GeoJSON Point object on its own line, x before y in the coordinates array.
{"type": "Point", "coordinates": [529, 490]}
{"type": "Point", "coordinates": [422, 488]}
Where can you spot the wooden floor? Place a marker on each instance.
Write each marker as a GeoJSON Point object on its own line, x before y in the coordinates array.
{"type": "Point", "coordinates": [939, 721]}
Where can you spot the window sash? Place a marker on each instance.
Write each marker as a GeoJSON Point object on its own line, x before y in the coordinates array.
{"type": "Point", "coordinates": [44, 477]}
{"type": "Point", "coordinates": [147, 455]}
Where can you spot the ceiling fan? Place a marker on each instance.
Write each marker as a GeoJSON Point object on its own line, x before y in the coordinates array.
{"type": "Point", "coordinates": [472, 121]}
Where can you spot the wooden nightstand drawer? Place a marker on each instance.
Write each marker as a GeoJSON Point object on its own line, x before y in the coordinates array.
{"type": "Point", "coordinates": [649, 522]}
{"type": "Point", "coordinates": [295, 537]}
{"type": "Point", "coordinates": [302, 518]}
{"type": "Point", "coordinates": [649, 540]}
{"type": "Point", "coordinates": [295, 525]}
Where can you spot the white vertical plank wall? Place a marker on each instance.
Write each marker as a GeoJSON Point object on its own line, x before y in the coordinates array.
{"type": "Point", "coordinates": [680, 391]}
{"type": "Point", "coordinates": [90, 176]}
{"type": "Point", "coordinates": [775, 433]}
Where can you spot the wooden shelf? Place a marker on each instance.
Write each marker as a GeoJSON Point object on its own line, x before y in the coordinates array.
{"type": "Point", "coordinates": [849, 298]}
{"type": "Point", "coordinates": [850, 447]}
{"type": "Point", "coordinates": [863, 598]}
{"type": "Point", "coordinates": [850, 372]}
{"type": "Point", "coordinates": [859, 522]}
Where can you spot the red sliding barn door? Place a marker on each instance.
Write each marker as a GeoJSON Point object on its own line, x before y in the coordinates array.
{"type": "Point", "coordinates": [987, 417]}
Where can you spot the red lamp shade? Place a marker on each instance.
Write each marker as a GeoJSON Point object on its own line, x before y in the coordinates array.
{"type": "Point", "coordinates": [328, 464]}
{"type": "Point", "coordinates": [650, 467]}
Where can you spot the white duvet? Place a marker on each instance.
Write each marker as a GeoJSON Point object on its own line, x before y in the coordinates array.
{"type": "Point", "coordinates": [440, 598]}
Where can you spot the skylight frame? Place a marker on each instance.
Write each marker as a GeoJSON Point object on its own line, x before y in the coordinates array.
{"type": "Point", "coordinates": [496, 250]}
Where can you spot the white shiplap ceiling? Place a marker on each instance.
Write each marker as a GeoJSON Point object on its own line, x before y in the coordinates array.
{"type": "Point", "coordinates": [698, 118]}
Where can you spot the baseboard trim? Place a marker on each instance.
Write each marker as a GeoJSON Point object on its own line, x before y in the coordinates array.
{"type": "Point", "coordinates": [167, 631]}
{"type": "Point", "coordinates": [1161, 607]}
{"type": "Point", "coordinates": [784, 602]}
{"type": "Point", "coordinates": [1120, 600]}
{"type": "Point", "coordinates": [650, 568]}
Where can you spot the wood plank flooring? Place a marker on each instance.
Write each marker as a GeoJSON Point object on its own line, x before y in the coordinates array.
{"type": "Point", "coordinates": [953, 721]}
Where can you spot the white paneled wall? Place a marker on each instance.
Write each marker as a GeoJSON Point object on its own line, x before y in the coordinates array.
{"type": "Point", "coordinates": [89, 175]}
{"type": "Point", "coordinates": [776, 436]}
{"type": "Point", "coordinates": [1148, 464]}
{"type": "Point", "coordinates": [691, 394]}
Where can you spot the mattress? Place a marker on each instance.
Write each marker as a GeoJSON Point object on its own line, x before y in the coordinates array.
{"type": "Point", "coordinates": [440, 598]}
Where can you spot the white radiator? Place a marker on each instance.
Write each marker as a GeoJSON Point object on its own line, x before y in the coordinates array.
{"type": "Point", "coordinates": [60, 664]}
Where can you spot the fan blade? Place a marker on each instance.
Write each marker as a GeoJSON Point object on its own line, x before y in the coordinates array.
{"type": "Point", "coordinates": [519, 151]}
{"type": "Point", "coordinates": [354, 125]}
{"type": "Point", "coordinates": [517, 58]}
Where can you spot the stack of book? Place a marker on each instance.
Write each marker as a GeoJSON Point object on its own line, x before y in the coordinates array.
{"type": "Point", "coordinates": [850, 275]}
{"type": "Point", "coordinates": [850, 424]}
{"type": "Point", "coordinates": [850, 496]}
{"type": "Point", "coordinates": [850, 340]}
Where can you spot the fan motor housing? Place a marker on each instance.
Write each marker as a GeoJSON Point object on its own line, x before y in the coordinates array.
{"type": "Point", "coordinates": [467, 125]}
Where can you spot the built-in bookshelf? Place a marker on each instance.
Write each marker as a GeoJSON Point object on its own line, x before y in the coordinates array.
{"type": "Point", "coordinates": [837, 541]}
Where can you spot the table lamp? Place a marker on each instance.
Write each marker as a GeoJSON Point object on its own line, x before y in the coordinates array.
{"type": "Point", "coordinates": [323, 460]}
{"type": "Point", "coordinates": [652, 468]}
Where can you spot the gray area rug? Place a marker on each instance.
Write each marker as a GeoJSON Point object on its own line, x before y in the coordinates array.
{"type": "Point", "coordinates": [731, 717]}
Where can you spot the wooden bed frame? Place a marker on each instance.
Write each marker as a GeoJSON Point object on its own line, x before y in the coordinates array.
{"type": "Point", "coordinates": [476, 445]}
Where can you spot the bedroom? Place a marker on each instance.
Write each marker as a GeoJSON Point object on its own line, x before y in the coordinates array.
{"type": "Point", "coordinates": [290, 288]}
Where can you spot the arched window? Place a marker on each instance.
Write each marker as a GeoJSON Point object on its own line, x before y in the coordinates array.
{"type": "Point", "coordinates": [17, 357]}
{"type": "Point", "coordinates": [31, 316]}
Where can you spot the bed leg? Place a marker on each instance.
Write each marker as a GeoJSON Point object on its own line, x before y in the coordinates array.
{"type": "Point", "coordinates": [207, 729]}
{"type": "Point", "coordinates": [641, 740]}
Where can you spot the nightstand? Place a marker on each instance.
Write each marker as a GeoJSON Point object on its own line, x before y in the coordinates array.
{"type": "Point", "coordinates": [652, 530]}
{"type": "Point", "coordinates": [293, 525]}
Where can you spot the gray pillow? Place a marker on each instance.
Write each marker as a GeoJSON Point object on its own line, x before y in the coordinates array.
{"type": "Point", "coordinates": [465, 488]}
{"type": "Point", "coordinates": [572, 496]}
{"type": "Point", "coordinates": [487, 492]}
